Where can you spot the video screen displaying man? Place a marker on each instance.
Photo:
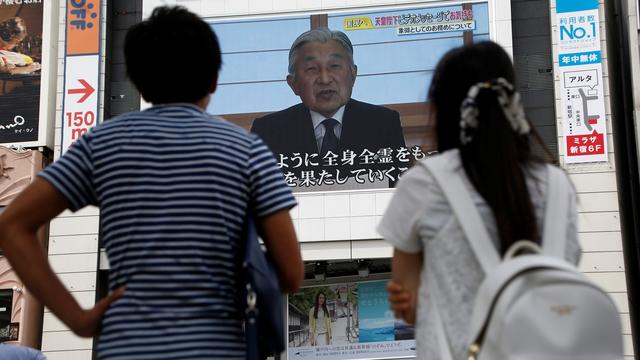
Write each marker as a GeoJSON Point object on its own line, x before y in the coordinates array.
{"type": "Point", "coordinates": [329, 125]}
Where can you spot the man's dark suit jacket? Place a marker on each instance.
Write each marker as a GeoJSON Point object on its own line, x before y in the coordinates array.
{"type": "Point", "coordinates": [364, 126]}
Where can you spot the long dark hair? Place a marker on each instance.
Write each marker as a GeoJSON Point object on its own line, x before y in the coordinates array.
{"type": "Point", "coordinates": [324, 305]}
{"type": "Point", "coordinates": [495, 160]}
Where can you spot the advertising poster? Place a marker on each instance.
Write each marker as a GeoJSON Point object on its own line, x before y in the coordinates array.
{"type": "Point", "coordinates": [582, 91]}
{"type": "Point", "coordinates": [20, 59]}
{"type": "Point", "coordinates": [376, 107]}
{"type": "Point", "coordinates": [346, 321]}
{"type": "Point", "coordinates": [8, 330]}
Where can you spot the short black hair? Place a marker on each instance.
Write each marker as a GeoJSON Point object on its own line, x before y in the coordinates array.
{"type": "Point", "coordinates": [173, 56]}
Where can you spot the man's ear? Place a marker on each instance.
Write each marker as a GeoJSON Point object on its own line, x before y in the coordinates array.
{"type": "Point", "coordinates": [214, 84]}
{"type": "Point", "coordinates": [354, 70]}
{"type": "Point", "coordinates": [291, 81]}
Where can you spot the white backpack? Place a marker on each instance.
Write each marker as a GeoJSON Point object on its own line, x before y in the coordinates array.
{"type": "Point", "coordinates": [534, 306]}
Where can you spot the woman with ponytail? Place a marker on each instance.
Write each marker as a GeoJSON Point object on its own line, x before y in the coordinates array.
{"type": "Point", "coordinates": [484, 134]}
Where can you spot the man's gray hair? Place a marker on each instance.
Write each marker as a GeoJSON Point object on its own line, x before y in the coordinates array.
{"type": "Point", "coordinates": [321, 35]}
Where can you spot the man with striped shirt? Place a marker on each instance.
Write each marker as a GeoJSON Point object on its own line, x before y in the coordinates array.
{"type": "Point", "coordinates": [174, 186]}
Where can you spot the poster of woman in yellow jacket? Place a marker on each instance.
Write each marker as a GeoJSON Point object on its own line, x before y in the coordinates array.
{"type": "Point", "coordinates": [320, 321]}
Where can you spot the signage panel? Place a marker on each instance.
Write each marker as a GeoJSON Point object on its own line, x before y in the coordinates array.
{"type": "Point", "coordinates": [582, 89]}
{"type": "Point", "coordinates": [21, 56]}
{"type": "Point", "coordinates": [81, 70]}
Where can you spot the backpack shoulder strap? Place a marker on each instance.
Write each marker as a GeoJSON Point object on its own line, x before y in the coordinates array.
{"type": "Point", "coordinates": [554, 236]}
{"type": "Point", "coordinates": [465, 211]}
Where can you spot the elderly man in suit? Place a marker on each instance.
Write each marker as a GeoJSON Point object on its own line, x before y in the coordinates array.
{"type": "Point", "coordinates": [322, 73]}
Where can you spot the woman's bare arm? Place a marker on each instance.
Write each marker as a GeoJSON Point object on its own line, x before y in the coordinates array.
{"type": "Point", "coordinates": [404, 284]}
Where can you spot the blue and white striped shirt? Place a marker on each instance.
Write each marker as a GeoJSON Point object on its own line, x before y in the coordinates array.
{"type": "Point", "coordinates": [173, 185]}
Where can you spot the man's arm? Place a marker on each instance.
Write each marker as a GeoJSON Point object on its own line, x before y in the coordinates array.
{"type": "Point", "coordinates": [279, 236]}
{"type": "Point", "coordinates": [34, 207]}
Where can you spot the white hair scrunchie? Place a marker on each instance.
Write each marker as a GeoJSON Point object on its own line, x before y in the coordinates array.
{"type": "Point", "coordinates": [509, 100]}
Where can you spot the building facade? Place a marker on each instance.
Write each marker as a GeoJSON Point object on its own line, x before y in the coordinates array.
{"type": "Point", "coordinates": [344, 256]}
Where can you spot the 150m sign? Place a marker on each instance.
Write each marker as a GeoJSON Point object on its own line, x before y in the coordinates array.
{"type": "Point", "coordinates": [82, 70]}
{"type": "Point", "coordinates": [79, 122]}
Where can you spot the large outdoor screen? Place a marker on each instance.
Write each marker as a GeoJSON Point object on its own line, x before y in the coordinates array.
{"type": "Point", "coordinates": [386, 124]}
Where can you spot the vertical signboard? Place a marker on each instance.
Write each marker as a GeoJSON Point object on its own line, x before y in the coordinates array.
{"type": "Point", "coordinates": [582, 90]}
{"type": "Point", "coordinates": [21, 25]}
{"type": "Point", "coordinates": [81, 70]}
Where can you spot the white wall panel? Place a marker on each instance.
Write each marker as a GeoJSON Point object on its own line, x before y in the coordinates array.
{"type": "Point", "coordinates": [594, 202]}
{"type": "Point", "coordinates": [310, 207]}
{"type": "Point", "coordinates": [212, 7]}
{"type": "Point", "coordinates": [81, 281]}
{"type": "Point", "coordinates": [68, 355]}
{"type": "Point", "coordinates": [311, 230]}
{"type": "Point", "coordinates": [51, 323]}
{"type": "Point", "coordinates": [236, 7]}
{"type": "Point", "coordinates": [364, 227]}
{"type": "Point", "coordinates": [504, 35]}
{"type": "Point", "coordinates": [599, 221]}
{"type": "Point", "coordinates": [628, 345]}
{"type": "Point", "coordinates": [73, 244]}
{"type": "Point", "coordinates": [621, 301]}
{"type": "Point", "coordinates": [64, 340]}
{"type": "Point", "coordinates": [78, 225]}
{"type": "Point", "coordinates": [371, 249]}
{"type": "Point", "coordinates": [336, 250]}
{"type": "Point", "coordinates": [601, 241]}
{"type": "Point", "coordinates": [85, 298]}
{"type": "Point", "coordinates": [285, 5]}
{"type": "Point", "coordinates": [626, 323]}
{"type": "Point", "coordinates": [74, 263]}
{"type": "Point", "coordinates": [337, 228]}
{"type": "Point", "coordinates": [357, 2]}
{"type": "Point", "coordinates": [594, 182]}
{"type": "Point", "coordinates": [333, 4]}
{"type": "Point", "coordinates": [613, 282]}
{"type": "Point", "coordinates": [87, 211]}
{"type": "Point", "coordinates": [602, 262]}
{"type": "Point", "coordinates": [337, 205]}
{"type": "Point", "coordinates": [362, 204]}
{"type": "Point", "coordinates": [260, 6]}
{"type": "Point", "coordinates": [382, 201]}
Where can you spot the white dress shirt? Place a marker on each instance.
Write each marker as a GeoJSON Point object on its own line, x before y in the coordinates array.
{"type": "Point", "coordinates": [319, 129]}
